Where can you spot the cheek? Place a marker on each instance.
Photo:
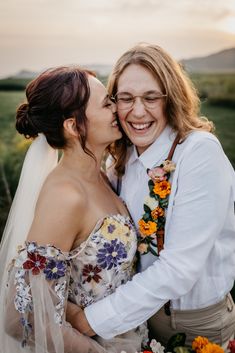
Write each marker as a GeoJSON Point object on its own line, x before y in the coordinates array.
{"type": "Point", "coordinates": [122, 117]}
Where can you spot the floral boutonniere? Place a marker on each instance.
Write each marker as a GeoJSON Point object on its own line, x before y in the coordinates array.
{"type": "Point", "coordinates": [152, 223]}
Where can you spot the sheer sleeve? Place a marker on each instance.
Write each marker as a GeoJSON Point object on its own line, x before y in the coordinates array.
{"type": "Point", "coordinates": [35, 304]}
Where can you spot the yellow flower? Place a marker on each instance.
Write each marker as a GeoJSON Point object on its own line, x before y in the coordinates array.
{"type": "Point", "coordinates": [157, 212]}
{"type": "Point", "coordinates": [147, 228]}
{"type": "Point", "coordinates": [112, 229]}
{"type": "Point", "coordinates": [212, 348]}
{"type": "Point", "coordinates": [162, 189]}
{"type": "Point", "coordinates": [198, 343]}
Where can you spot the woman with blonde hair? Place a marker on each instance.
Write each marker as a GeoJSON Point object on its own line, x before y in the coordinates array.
{"type": "Point", "coordinates": [180, 188]}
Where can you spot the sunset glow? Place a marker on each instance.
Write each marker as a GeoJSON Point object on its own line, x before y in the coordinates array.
{"type": "Point", "coordinates": [38, 34]}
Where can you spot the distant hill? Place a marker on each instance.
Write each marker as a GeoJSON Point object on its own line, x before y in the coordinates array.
{"type": "Point", "coordinates": [99, 69]}
{"type": "Point", "coordinates": [221, 62]}
{"type": "Point", "coordinates": [24, 74]}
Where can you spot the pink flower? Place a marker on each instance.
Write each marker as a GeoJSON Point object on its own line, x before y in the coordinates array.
{"type": "Point", "coordinates": [231, 346]}
{"type": "Point", "coordinates": [157, 174]}
{"type": "Point", "coordinates": [143, 248]}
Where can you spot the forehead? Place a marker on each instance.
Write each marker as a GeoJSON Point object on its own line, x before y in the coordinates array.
{"type": "Point", "coordinates": [97, 89]}
{"type": "Point", "coordinates": [136, 79]}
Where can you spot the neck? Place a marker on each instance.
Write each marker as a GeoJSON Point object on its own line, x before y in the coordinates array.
{"type": "Point", "coordinates": [80, 163]}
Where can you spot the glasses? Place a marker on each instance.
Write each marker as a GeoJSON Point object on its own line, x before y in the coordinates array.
{"type": "Point", "coordinates": [127, 100]}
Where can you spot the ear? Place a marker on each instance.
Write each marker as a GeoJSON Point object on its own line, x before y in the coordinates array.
{"type": "Point", "coordinates": [70, 127]}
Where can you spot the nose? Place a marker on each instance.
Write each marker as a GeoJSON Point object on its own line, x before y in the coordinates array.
{"type": "Point", "coordinates": [138, 109]}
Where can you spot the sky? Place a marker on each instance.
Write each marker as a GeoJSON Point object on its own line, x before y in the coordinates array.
{"type": "Point", "coordinates": [37, 34]}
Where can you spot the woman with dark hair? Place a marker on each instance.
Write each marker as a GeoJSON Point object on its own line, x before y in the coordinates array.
{"type": "Point", "coordinates": [68, 234]}
{"type": "Point", "coordinates": [180, 189]}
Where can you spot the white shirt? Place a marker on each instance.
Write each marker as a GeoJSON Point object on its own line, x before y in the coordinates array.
{"type": "Point", "coordinates": [196, 268]}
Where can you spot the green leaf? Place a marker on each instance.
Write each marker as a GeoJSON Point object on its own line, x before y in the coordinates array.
{"type": "Point", "coordinates": [156, 197]}
{"type": "Point", "coordinates": [153, 251]}
{"type": "Point", "coordinates": [146, 217]}
{"type": "Point", "coordinates": [147, 209]}
{"type": "Point", "coordinates": [177, 340]}
{"type": "Point", "coordinates": [163, 202]}
{"type": "Point", "coordinates": [182, 350]}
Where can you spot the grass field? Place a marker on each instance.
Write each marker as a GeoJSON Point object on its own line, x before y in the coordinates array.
{"type": "Point", "coordinates": [223, 118]}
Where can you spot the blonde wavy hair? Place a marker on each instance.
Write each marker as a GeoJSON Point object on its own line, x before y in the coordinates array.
{"type": "Point", "coordinates": [182, 107]}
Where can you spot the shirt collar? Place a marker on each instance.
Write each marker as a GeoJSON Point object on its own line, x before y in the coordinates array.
{"type": "Point", "coordinates": [156, 152]}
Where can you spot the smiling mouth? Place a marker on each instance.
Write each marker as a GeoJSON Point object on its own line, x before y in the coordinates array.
{"type": "Point", "coordinates": [114, 123]}
{"type": "Point", "coordinates": [141, 127]}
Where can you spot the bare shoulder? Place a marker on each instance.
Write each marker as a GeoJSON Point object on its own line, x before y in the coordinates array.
{"type": "Point", "coordinates": [59, 210]}
{"type": "Point", "coordinates": [62, 190]}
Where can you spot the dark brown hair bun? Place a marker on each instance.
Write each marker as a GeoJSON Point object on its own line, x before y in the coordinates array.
{"type": "Point", "coordinates": [24, 124]}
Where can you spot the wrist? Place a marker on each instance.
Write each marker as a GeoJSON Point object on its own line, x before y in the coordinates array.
{"type": "Point", "coordinates": [77, 318]}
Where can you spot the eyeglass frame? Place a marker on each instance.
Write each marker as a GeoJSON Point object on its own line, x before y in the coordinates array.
{"type": "Point", "coordinates": [114, 99]}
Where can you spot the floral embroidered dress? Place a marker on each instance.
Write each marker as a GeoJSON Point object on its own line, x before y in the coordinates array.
{"type": "Point", "coordinates": [42, 278]}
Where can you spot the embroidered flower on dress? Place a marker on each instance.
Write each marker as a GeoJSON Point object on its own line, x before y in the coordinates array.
{"type": "Point", "coordinates": [112, 229]}
{"type": "Point", "coordinates": [36, 259]}
{"type": "Point", "coordinates": [23, 299]}
{"type": "Point", "coordinates": [26, 324]}
{"type": "Point", "coordinates": [55, 269]}
{"type": "Point", "coordinates": [35, 263]}
{"type": "Point", "coordinates": [112, 254]}
{"type": "Point", "coordinates": [21, 258]}
{"type": "Point", "coordinates": [91, 273]}
{"type": "Point", "coordinates": [32, 246]}
{"type": "Point", "coordinates": [52, 251]}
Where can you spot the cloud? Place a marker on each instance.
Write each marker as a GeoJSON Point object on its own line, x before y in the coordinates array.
{"type": "Point", "coordinates": [42, 33]}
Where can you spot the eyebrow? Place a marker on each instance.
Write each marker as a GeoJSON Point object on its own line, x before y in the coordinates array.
{"type": "Point", "coordinates": [144, 93]}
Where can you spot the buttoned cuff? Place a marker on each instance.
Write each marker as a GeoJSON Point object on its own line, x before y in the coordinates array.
{"type": "Point", "coordinates": [103, 319]}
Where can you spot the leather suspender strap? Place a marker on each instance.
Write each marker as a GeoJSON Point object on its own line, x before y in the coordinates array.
{"type": "Point", "coordinates": [173, 147]}
{"type": "Point", "coordinates": [167, 306]}
{"type": "Point", "coordinates": [119, 185]}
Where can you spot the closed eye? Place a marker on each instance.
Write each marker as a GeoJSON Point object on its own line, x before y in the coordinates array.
{"type": "Point", "coordinates": [151, 98]}
{"type": "Point", "coordinates": [125, 99]}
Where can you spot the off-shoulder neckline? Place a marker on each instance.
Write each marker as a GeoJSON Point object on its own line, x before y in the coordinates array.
{"type": "Point", "coordinates": [74, 252]}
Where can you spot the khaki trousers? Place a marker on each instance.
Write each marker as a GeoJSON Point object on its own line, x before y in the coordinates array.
{"type": "Point", "coordinates": [216, 322]}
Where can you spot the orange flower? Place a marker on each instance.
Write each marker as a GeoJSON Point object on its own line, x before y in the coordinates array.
{"type": "Point", "coordinates": [147, 228]}
{"type": "Point", "coordinates": [157, 212]}
{"type": "Point", "coordinates": [212, 348]}
{"type": "Point", "coordinates": [162, 189]}
{"type": "Point", "coordinates": [198, 343]}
